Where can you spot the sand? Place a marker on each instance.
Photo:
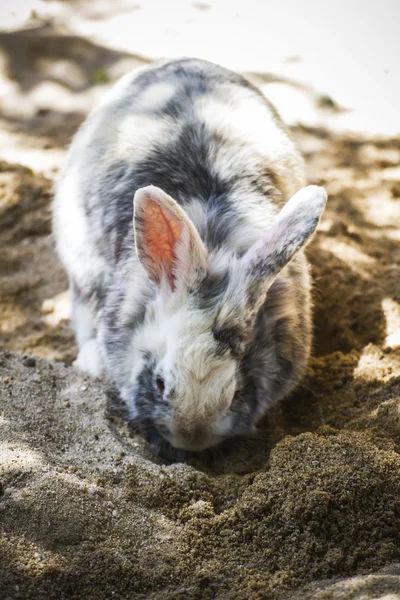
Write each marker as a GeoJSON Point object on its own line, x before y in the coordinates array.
{"type": "Point", "coordinates": [310, 509]}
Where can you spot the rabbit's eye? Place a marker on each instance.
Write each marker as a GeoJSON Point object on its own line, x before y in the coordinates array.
{"type": "Point", "coordinates": [160, 384]}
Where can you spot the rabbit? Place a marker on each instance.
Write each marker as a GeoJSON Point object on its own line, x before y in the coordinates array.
{"type": "Point", "coordinates": [181, 218]}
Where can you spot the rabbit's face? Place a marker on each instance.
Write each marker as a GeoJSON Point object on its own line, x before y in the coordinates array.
{"type": "Point", "coordinates": [188, 354]}
{"type": "Point", "coordinates": [185, 382]}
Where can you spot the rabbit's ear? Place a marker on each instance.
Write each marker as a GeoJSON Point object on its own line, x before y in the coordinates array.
{"type": "Point", "coordinates": [167, 243]}
{"type": "Point", "coordinates": [291, 230]}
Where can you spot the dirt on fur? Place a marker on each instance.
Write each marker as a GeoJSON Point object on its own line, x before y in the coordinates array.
{"type": "Point", "coordinates": [310, 509]}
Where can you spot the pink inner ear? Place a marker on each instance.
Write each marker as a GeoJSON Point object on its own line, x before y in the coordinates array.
{"type": "Point", "coordinates": [162, 232]}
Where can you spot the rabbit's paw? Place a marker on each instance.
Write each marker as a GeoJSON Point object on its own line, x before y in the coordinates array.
{"type": "Point", "coordinates": [89, 359]}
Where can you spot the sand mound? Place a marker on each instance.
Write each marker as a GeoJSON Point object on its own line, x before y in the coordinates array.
{"type": "Point", "coordinates": [86, 514]}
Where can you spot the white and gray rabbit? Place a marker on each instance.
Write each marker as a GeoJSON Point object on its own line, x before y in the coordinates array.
{"type": "Point", "coordinates": [190, 288]}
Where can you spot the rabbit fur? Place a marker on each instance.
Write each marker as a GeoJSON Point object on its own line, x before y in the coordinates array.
{"type": "Point", "coordinates": [181, 217]}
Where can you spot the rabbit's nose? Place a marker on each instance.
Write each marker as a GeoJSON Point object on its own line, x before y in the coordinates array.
{"type": "Point", "coordinates": [192, 437]}
{"type": "Point", "coordinates": [195, 438]}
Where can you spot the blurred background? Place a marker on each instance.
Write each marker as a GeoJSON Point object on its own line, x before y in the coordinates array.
{"type": "Point", "coordinates": [332, 70]}
{"type": "Point", "coordinates": [330, 63]}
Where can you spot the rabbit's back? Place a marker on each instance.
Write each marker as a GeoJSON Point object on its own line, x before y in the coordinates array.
{"type": "Point", "coordinates": [203, 134]}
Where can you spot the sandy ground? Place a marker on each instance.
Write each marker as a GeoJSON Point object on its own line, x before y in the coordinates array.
{"type": "Point", "coordinates": [309, 510]}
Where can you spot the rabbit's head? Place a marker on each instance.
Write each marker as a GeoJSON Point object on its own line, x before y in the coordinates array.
{"type": "Point", "coordinates": [185, 383]}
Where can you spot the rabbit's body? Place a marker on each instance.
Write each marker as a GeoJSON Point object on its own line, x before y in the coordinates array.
{"type": "Point", "coordinates": [182, 329]}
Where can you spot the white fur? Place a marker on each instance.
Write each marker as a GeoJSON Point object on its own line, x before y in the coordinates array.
{"type": "Point", "coordinates": [155, 97]}
{"type": "Point", "coordinates": [76, 249]}
{"type": "Point", "coordinates": [135, 135]}
{"type": "Point", "coordinates": [88, 359]}
{"type": "Point", "coordinates": [255, 132]}
{"type": "Point", "coordinates": [195, 210]}
{"type": "Point", "coordinates": [83, 322]}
